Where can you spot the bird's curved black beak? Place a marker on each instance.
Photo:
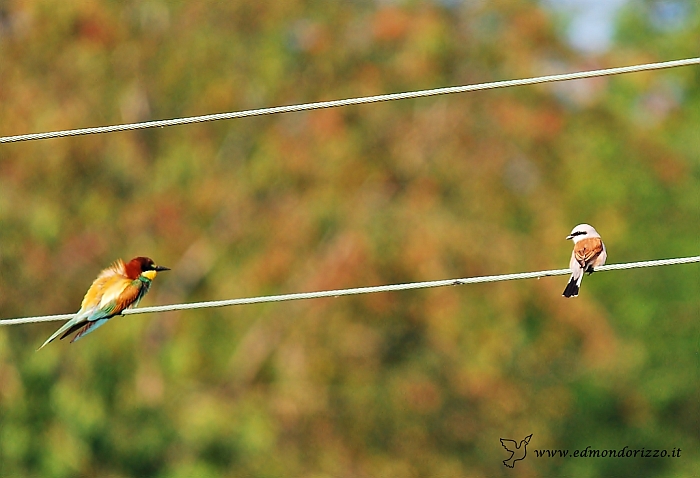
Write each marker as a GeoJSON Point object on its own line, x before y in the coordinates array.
{"type": "Point", "coordinates": [569, 237]}
{"type": "Point", "coordinates": [161, 268]}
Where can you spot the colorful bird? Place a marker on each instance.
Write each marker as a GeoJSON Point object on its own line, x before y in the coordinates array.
{"type": "Point", "coordinates": [118, 287]}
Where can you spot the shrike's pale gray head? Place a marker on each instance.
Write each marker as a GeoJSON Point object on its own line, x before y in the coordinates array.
{"type": "Point", "coordinates": [582, 231]}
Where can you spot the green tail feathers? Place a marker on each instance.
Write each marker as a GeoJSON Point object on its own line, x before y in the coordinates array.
{"type": "Point", "coordinates": [67, 326]}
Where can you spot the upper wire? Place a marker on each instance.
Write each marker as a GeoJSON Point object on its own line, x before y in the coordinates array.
{"type": "Point", "coordinates": [350, 101]}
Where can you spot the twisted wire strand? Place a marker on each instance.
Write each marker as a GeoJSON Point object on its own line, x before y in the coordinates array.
{"type": "Point", "coordinates": [363, 290]}
{"type": "Point", "coordinates": [351, 101]}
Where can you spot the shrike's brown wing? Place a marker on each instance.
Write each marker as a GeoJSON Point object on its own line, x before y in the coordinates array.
{"type": "Point", "coordinates": [587, 250]}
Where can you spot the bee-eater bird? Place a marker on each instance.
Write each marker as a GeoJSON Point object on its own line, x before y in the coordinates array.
{"type": "Point", "coordinates": [118, 287]}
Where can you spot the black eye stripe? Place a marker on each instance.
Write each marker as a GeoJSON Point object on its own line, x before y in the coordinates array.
{"type": "Point", "coordinates": [578, 233]}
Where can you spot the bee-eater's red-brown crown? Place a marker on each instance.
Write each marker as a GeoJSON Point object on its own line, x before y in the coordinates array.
{"type": "Point", "coordinates": [137, 265]}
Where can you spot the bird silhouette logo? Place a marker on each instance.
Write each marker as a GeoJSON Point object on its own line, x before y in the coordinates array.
{"type": "Point", "coordinates": [518, 451]}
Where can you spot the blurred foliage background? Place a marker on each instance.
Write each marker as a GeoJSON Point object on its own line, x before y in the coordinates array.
{"type": "Point", "coordinates": [412, 384]}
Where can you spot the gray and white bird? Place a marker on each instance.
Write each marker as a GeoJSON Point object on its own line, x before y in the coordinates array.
{"type": "Point", "coordinates": [589, 252]}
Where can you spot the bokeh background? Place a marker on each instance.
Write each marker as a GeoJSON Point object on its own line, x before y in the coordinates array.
{"type": "Point", "coordinates": [411, 384]}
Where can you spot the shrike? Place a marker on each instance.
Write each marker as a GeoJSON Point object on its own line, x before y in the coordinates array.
{"type": "Point", "coordinates": [589, 253]}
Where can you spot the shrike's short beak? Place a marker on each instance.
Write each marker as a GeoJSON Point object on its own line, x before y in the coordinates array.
{"type": "Point", "coordinates": [569, 237]}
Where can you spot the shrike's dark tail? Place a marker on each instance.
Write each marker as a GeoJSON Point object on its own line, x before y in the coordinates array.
{"type": "Point", "coordinates": [571, 288]}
